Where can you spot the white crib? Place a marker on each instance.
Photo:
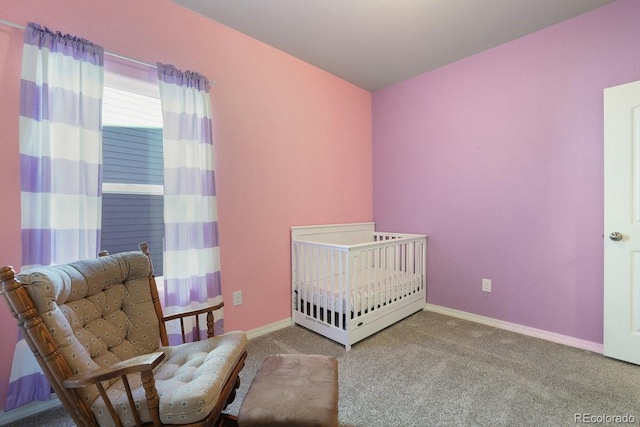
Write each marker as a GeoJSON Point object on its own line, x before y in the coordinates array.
{"type": "Point", "coordinates": [349, 281]}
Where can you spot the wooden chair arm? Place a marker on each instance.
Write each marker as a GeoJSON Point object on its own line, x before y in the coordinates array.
{"type": "Point", "coordinates": [144, 363]}
{"type": "Point", "coordinates": [196, 312]}
{"type": "Point", "coordinates": [140, 364]}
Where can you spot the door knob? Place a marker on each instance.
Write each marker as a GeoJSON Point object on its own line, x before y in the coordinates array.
{"type": "Point", "coordinates": [615, 236]}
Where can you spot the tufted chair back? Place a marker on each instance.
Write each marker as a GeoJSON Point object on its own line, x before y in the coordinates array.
{"type": "Point", "coordinates": [99, 312]}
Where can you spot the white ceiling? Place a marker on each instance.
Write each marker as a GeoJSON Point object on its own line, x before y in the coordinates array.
{"type": "Point", "coordinates": [376, 43]}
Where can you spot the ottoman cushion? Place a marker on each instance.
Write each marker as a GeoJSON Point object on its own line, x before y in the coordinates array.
{"type": "Point", "coordinates": [292, 390]}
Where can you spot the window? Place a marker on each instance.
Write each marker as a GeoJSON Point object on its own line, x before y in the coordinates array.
{"type": "Point", "coordinates": [132, 186]}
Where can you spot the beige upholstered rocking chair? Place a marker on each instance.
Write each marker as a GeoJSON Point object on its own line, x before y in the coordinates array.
{"type": "Point", "coordinates": [97, 330]}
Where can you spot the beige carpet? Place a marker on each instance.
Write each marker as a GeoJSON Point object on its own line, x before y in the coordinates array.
{"type": "Point", "coordinates": [434, 370]}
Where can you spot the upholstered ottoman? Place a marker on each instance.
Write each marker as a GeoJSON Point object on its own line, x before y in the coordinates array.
{"type": "Point", "coordinates": [292, 390]}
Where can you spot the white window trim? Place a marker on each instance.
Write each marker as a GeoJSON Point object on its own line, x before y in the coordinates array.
{"type": "Point", "coordinates": [117, 188]}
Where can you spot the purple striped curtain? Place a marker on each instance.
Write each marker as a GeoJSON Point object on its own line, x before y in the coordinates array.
{"type": "Point", "coordinates": [60, 167]}
{"type": "Point", "coordinates": [192, 256]}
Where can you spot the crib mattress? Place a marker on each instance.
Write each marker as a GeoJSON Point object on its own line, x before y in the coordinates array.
{"type": "Point", "coordinates": [367, 289]}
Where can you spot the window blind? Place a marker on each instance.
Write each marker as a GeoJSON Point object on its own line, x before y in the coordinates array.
{"type": "Point", "coordinates": [132, 200]}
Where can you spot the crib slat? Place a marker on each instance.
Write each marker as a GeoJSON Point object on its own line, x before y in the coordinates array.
{"type": "Point", "coordinates": [330, 296]}
{"type": "Point", "coordinates": [354, 290]}
{"type": "Point", "coordinates": [372, 295]}
{"type": "Point", "coordinates": [341, 296]}
{"type": "Point", "coordinates": [308, 278]}
{"type": "Point", "coordinates": [405, 259]}
{"type": "Point", "coordinates": [306, 265]}
{"type": "Point", "coordinates": [314, 281]}
{"type": "Point", "coordinates": [300, 276]}
{"type": "Point", "coordinates": [322, 286]}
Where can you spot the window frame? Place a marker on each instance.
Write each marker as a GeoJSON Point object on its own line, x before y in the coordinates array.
{"type": "Point", "coordinates": [140, 81]}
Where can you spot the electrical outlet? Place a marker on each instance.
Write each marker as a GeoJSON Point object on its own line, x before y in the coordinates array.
{"type": "Point", "coordinates": [486, 285]}
{"type": "Point", "coordinates": [237, 298]}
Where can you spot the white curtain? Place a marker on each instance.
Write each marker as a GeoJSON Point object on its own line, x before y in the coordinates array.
{"type": "Point", "coordinates": [60, 167]}
{"type": "Point", "coordinates": [192, 256]}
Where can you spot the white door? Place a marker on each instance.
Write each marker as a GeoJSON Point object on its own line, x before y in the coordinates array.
{"type": "Point", "coordinates": [622, 222]}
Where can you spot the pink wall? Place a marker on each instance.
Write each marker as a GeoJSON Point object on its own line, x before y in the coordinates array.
{"type": "Point", "coordinates": [499, 159]}
{"type": "Point", "coordinates": [293, 142]}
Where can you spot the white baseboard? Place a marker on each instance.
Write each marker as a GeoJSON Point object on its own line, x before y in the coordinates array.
{"type": "Point", "coordinates": [263, 330]}
{"type": "Point", "coordinates": [27, 410]}
{"type": "Point", "coordinates": [521, 329]}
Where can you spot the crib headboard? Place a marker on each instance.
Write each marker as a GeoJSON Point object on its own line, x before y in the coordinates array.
{"type": "Point", "coordinates": [338, 234]}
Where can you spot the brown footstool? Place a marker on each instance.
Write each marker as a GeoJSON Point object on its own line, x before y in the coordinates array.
{"type": "Point", "coordinates": [292, 390]}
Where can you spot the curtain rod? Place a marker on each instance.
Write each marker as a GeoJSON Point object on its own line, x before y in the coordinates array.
{"type": "Point", "coordinates": [115, 55]}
